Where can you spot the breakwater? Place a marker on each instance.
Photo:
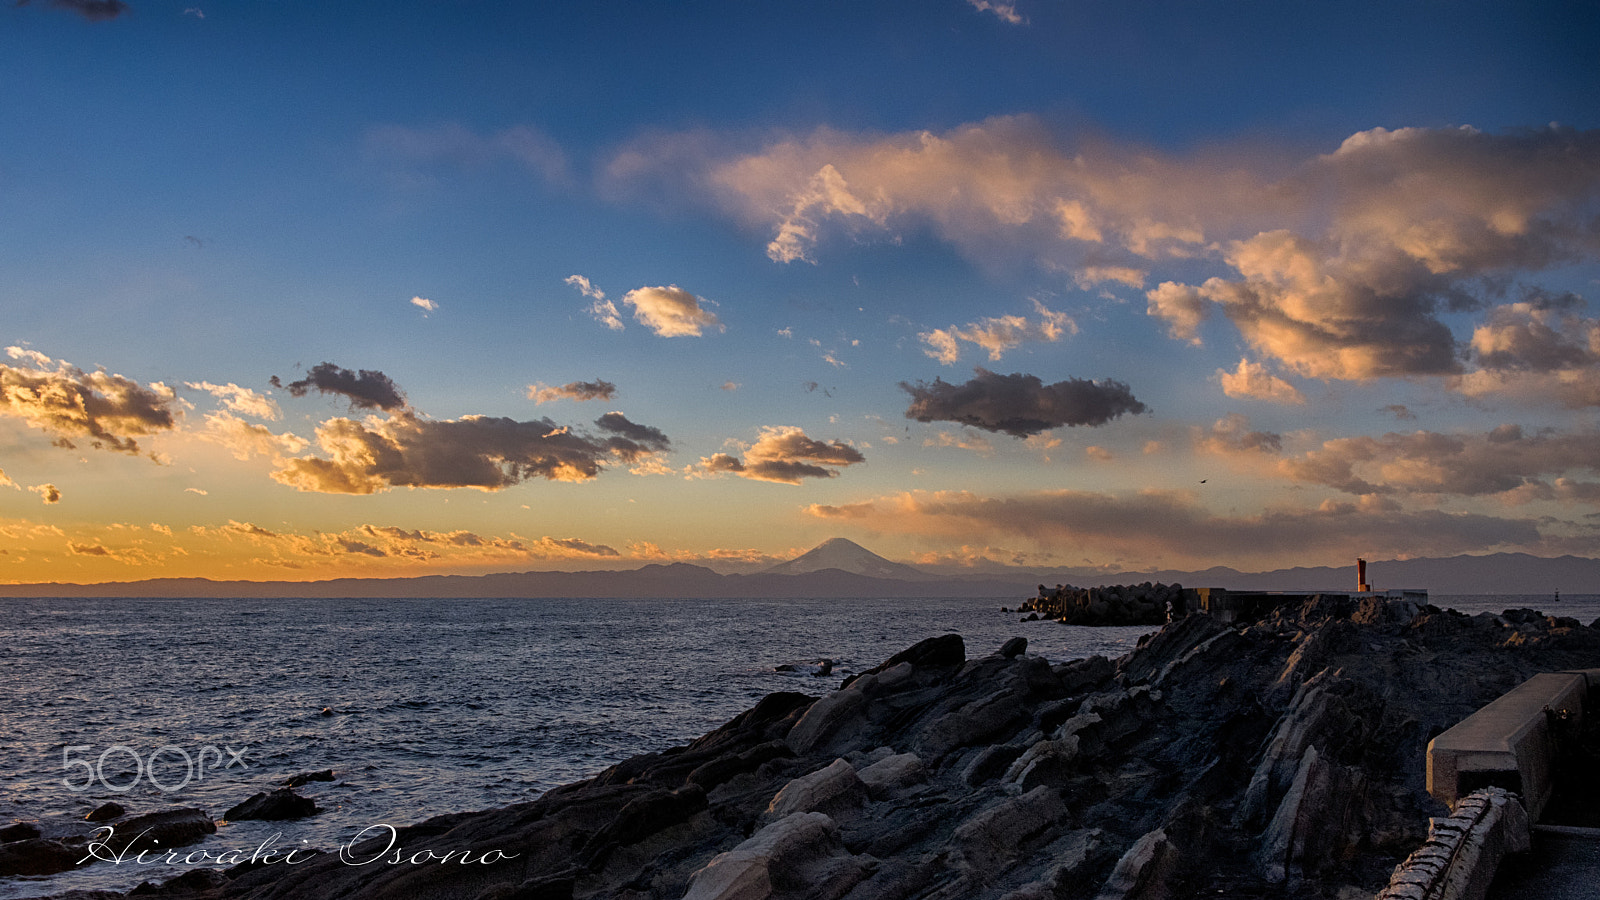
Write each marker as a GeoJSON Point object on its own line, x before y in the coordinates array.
{"type": "Point", "coordinates": [1123, 604]}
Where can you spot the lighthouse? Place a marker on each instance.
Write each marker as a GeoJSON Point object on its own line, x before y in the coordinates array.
{"type": "Point", "coordinates": [1361, 576]}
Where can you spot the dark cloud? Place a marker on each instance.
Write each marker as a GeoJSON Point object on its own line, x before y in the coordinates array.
{"type": "Point", "coordinates": [1020, 405]}
{"type": "Point", "coordinates": [575, 390]}
{"type": "Point", "coordinates": [71, 403]}
{"type": "Point", "coordinates": [364, 549]}
{"type": "Point", "coordinates": [483, 452]}
{"type": "Point", "coordinates": [93, 10]}
{"type": "Point", "coordinates": [631, 440]}
{"type": "Point", "coordinates": [786, 456]}
{"type": "Point", "coordinates": [1504, 461]}
{"type": "Point", "coordinates": [366, 389]}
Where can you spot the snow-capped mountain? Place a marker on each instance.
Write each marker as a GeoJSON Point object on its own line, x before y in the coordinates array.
{"type": "Point", "coordinates": [847, 556]}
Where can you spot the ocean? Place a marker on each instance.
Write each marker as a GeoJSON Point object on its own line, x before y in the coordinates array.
{"type": "Point", "coordinates": [423, 707]}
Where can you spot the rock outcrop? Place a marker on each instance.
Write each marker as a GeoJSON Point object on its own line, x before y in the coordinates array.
{"type": "Point", "coordinates": [1279, 758]}
{"type": "Point", "coordinates": [273, 806]}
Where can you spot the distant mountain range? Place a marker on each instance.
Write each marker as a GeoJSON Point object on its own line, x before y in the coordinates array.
{"type": "Point", "coordinates": [842, 569]}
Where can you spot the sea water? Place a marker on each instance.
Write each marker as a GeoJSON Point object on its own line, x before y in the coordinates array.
{"type": "Point", "coordinates": [420, 707]}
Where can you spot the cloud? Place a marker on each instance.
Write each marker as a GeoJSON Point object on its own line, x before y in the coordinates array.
{"type": "Point", "coordinates": [785, 455]}
{"type": "Point", "coordinates": [1172, 529]}
{"type": "Point", "coordinates": [5, 480]}
{"type": "Point", "coordinates": [1504, 461]}
{"type": "Point", "coordinates": [1231, 435]}
{"type": "Point", "coordinates": [61, 399]}
{"type": "Point", "coordinates": [975, 443]}
{"type": "Point", "coordinates": [1343, 265]}
{"type": "Point", "coordinates": [1540, 349]}
{"type": "Point", "coordinates": [406, 450]}
{"type": "Point", "coordinates": [92, 10]}
{"type": "Point", "coordinates": [367, 389]}
{"type": "Point", "coordinates": [414, 150]}
{"type": "Point", "coordinates": [997, 335]}
{"type": "Point", "coordinates": [1252, 380]}
{"type": "Point", "coordinates": [572, 390]}
{"type": "Point", "coordinates": [239, 399]}
{"type": "Point", "coordinates": [1418, 218]}
{"type": "Point", "coordinates": [671, 311]}
{"type": "Point", "coordinates": [1182, 307]}
{"type": "Point", "coordinates": [1005, 12]}
{"type": "Point", "coordinates": [244, 439]}
{"type": "Point", "coordinates": [366, 544]}
{"type": "Point", "coordinates": [49, 493]}
{"type": "Point", "coordinates": [1020, 405]}
{"type": "Point", "coordinates": [631, 442]}
{"type": "Point", "coordinates": [603, 310]}
{"type": "Point", "coordinates": [1089, 276]}
{"type": "Point", "coordinates": [424, 304]}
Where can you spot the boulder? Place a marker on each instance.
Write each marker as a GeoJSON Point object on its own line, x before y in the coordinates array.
{"type": "Point", "coordinates": [995, 837]}
{"type": "Point", "coordinates": [105, 812]}
{"type": "Point", "coordinates": [891, 773]}
{"type": "Point", "coordinates": [278, 805]}
{"type": "Point", "coordinates": [305, 778]}
{"type": "Point", "coordinates": [832, 790]}
{"type": "Point", "coordinates": [154, 831]}
{"type": "Point", "coordinates": [38, 856]}
{"type": "Point", "coordinates": [799, 855]}
{"type": "Point", "coordinates": [18, 831]}
{"type": "Point", "coordinates": [826, 718]}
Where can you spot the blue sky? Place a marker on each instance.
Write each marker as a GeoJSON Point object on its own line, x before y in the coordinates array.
{"type": "Point", "coordinates": [967, 282]}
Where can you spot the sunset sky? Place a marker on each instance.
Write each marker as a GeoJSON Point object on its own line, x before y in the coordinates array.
{"type": "Point", "coordinates": [298, 290]}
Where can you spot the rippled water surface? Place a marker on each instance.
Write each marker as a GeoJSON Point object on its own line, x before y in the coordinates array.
{"type": "Point", "coordinates": [432, 706]}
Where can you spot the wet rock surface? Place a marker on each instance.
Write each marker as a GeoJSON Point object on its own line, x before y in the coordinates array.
{"type": "Point", "coordinates": [1282, 758]}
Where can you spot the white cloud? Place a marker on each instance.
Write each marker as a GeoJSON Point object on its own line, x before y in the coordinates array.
{"type": "Point", "coordinates": [1005, 12]}
{"type": "Point", "coordinates": [239, 399]}
{"type": "Point", "coordinates": [671, 311]}
{"type": "Point", "coordinates": [424, 304]}
{"type": "Point", "coordinates": [1252, 380]}
{"type": "Point", "coordinates": [998, 334]}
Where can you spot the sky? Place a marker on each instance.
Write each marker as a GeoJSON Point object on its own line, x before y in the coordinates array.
{"type": "Point", "coordinates": [295, 290]}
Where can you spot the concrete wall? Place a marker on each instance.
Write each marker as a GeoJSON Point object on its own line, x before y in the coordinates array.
{"type": "Point", "coordinates": [1508, 743]}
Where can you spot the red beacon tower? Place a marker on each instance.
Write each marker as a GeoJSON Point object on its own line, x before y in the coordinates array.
{"type": "Point", "coordinates": [1361, 576]}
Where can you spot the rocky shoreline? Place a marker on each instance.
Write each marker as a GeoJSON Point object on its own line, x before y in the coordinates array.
{"type": "Point", "coordinates": [1278, 758]}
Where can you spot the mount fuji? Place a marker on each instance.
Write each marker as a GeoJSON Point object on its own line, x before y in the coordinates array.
{"type": "Point", "coordinates": [848, 556]}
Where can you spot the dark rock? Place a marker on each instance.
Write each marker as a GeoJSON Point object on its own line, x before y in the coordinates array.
{"type": "Point", "coordinates": [38, 856]}
{"type": "Point", "coordinates": [18, 831]}
{"type": "Point", "coordinates": [191, 882]}
{"type": "Point", "coordinates": [105, 812]}
{"type": "Point", "coordinates": [157, 830]}
{"type": "Point", "coordinates": [305, 778]}
{"type": "Point", "coordinates": [944, 651]}
{"type": "Point", "coordinates": [1014, 647]}
{"type": "Point", "coordinates": [278, 805]}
